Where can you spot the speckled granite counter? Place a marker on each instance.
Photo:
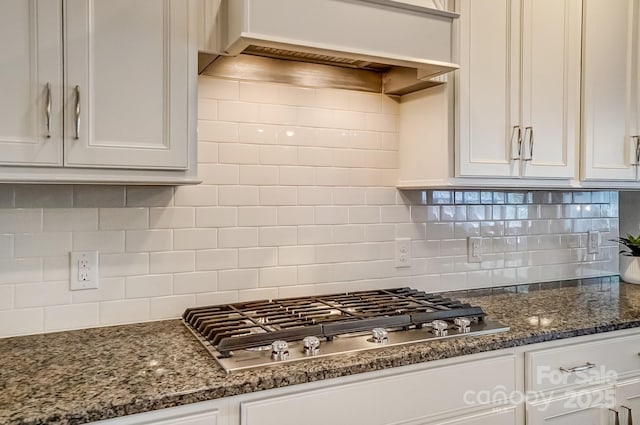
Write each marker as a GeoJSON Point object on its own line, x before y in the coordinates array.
{"type": "Point", "coordinates": [81, 376]}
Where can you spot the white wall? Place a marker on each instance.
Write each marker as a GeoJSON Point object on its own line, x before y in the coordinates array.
{"type": "Point", "coordinates": [297, 198]}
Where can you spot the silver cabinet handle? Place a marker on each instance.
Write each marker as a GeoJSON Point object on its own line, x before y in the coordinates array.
{"type": "Point", "coordinates": [77, 112]}
{"type": "Point", "coordinates": [529, 131]}
{"type": "Point", "coordinates": [616, 416]}
{"type": "Point", "coordinates": [516, 132]}
{"type": "Point", "coordinates": [629, 418]}
{"type": "Point", "coordinates": [637, 139]}
{"type": "Point", "coordinates": [47, 110]}
{"type": "Point", "coordinates": [580, 368]}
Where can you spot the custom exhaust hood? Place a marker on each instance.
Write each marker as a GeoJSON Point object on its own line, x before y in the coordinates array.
{"type": "Point", "coordinates": [390, 46]}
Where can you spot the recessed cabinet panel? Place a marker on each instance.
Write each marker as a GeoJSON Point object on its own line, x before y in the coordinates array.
{"type": "Point", "coordinates": [519, 88]}
{"type": "Point", "coordinates": [403, 398]}
{"type": "Point", "coordinates": [30, 82]}
{"type": "Point", "coordinates": [610, 89]}
{"type": "Point", "coordinates": [551, 87]}
{"type": "Point", "coordinates": [488, 89]}
{"type": "Point", "coordinates": [126, 83]}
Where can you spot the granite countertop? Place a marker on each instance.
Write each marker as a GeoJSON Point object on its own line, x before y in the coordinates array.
{"type": "Point", "coordinates": [82, 376]}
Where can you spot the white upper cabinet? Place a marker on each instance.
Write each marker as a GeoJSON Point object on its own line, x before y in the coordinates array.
{"type": "Point", "coordinates": [30, 82]}
{"type": "Point", "coordinates": [126, 109]}
{"type": "Point", "coordinates": [611, 122]}
{"type": "Point", "coordinates": [518, 102]}
{"type": "Point", "coordinates": [126, 71]}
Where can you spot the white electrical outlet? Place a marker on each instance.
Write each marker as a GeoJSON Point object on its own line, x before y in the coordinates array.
{"type": "Point", "coordinates": [474, 250]}
{"type": "Point", "coordinates": [403, 252]}
{"type": "Point", "coordinates": [593, 242]}
{"type": "Point", "coordinates": [84, 270]}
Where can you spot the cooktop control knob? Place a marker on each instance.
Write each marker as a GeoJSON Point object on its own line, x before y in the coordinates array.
{"type": "Point", "coordinates": [379, 335]}
{"type": "Point", "coordinates": [311, 345]}
{"type": "Point", "coordinates": [439, 327]}
{"type": "Point", "coordinates": [279, 350]}
{"type": "Point", "coordinates": [463, 324]}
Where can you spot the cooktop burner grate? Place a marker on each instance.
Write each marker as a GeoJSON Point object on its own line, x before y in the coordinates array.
{"type": "Point", "coordinates": [259, 333]}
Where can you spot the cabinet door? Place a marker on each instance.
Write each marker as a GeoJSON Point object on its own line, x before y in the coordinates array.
{"type": "Point", "coordinates": [584, 408]}
{"type": "Point", "coordinates": [126, 89]}
{"type": "Point", "coordinates": [610, 89]}
{"type": "Point", "coordinates": [30, 87]}
{"type": "Point", "coordinates": [551, 87]}
{"type": "Point", "coordinates": [628, 395]}
{"type": "Point", "coordinates": [488, 88]}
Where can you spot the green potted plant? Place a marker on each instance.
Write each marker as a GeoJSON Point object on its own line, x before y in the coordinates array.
{"type": "Point", "coordinates": [630, 259]}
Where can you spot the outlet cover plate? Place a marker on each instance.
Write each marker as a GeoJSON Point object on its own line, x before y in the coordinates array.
{"type": "Point", "coordinates": [84, 270]}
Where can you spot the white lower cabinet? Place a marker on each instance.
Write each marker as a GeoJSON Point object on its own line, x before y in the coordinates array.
{"type": "Point", "coordinates": [204, 413]}
{"type": "Point", "coordinates": [579, 381]}
{"type": "Point", "coordinates": [474, 392]}
{"type": "Point", "coordinates": [572, 408]}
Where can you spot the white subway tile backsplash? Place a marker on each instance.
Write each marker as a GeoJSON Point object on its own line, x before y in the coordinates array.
{"type": "Point", "coordinates": [295, 255]}
{"type": "Point", "coordinates": [20, 220]}
{"type": "Point", "coordinates": [21, 321]}
{"type": "Point", "coordinates": [218, 131]}
{"type": "Point", "coordinates": [234, 153]}
{"type": "Point", "coordinates": [238, 111]}
{"type": "Point", "coordinates": [257, 257]}
{"type": "Point", "coordinates": [70, 219]}
{"type": "Point", "coordinates": [108, 241]}
{"type": "Point", "coordinates": [195, 283]}
{"type": "Point", "coordinates": [298, 198]}
{"type": "Point", "coordinates": [6, 297]}
{"type": "Point", "coordinates": [72, 316]}
{"type": "Point", "coordinates": [148, 240]}
{"type": "Point", "coordinates": [6, 246]}
{"type": "Point", "coordinates": [148, 286]}
{"type": "Point", "coordinates": [257, 216]}
{"type": "Point", "coordinates": [195, 238]}
{"type": "Point", "coordinates": [207, 152]}
{"type": "Point", "coordinates": [278, 195]}
{"type": "Point", "coordinates": [42, 244]}
{"type": "Point", "coordinates": [278, 114]}
{"type": "Point", "coordinates": [90, 196]}
{"type": "Point", "coordinates": [201, 195]}
{"type": "Point", "coordinates": [172, 262]}
{"type": "Point", "coordinates": [259, 175]}
{"type": "Point", "coordinates": [113, 265]}
{"type": "Point", "coordinates": [216, 217]}
{"type": "Point", "coordinates": [237, 237]}
{"type": "Point", "coordinates": [216, 88]}
{"type": "Point", "coordinates": [278, 236]}
{"type": "Point", "coordinates": [171, 218]}
{"type": "Point", "coordinates": [216, 259]}
{"type": "Point", "coordinates": [123, 218]}
{"type": "Point", "coordinates": [258, 92]}
{"type": "Point", "coordinates": [43, 196]}
{"type": "Point", "coordinates": [124, 311]}
{"type": "Point", "coordinates": [278, 155]}
{"type": "Point", "coordinates": [110, 289]}
{"type": "Point", "coordinates": [170, 307]}
{"type": "Point", "coordinates": [237, 279]}
{"type": "Point", "coordinates": [41, 294]}
{"type": "Point", "coordinates": [219, 173]}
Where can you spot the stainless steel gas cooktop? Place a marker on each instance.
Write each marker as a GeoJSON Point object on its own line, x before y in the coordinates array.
{"type": "Point", "coordinates": [261, 333]}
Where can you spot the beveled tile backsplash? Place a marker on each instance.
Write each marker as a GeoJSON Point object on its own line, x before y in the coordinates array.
{"type": "Point", "coordinates": [298, 198]}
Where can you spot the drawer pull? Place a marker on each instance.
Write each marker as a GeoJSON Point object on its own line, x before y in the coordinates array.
{"type": "Point", "coordinates": [616, 416]}
{"type": "Point", "coordinates": [580, 368]}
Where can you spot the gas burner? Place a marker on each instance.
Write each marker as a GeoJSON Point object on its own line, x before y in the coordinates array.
{"type": "Point", "coordinates": [260, 333]}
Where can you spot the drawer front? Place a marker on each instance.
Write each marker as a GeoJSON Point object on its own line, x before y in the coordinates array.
{"type": "Point", "coordinates": [583, 364]}
{"type": "Point", "coordinates": [402, 398]}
